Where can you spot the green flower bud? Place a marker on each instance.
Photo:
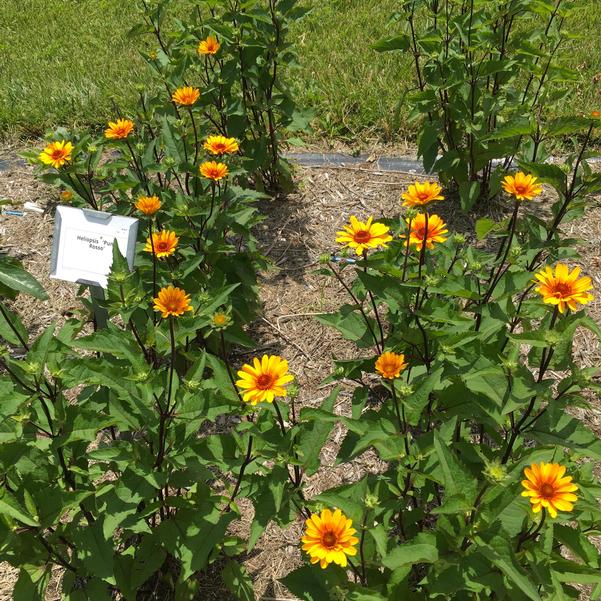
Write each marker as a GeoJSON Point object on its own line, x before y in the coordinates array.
{"type": "Point", "coordinates": [475, 265]}
{"type": "Point", "coordinates": [324, 259]}
{"type": "Point", "coordinates": [140, 147]}
{"type": "Point", "coordinates": [552, 338]}
{"type": "Point", "coordinates": [31, 367]}
{"type": "Point", "coordinates": [371, 501]}
{"type": "Point", "coordinates": [141, 376]}
{"type": "Point", "coordinates": [92, 148]}
{"type": "Point", "coordinates": [431, 280]}
{"type": "Point", "coordinates": [220, 320]}
{"type": "Point", "coordinates": [119, 276]}
{"type": "Point", "coordinates": [293, 389]}
{"type": "Point", "coordinates": [192, 385]}
{"type": "Point", "coordinates": [509, 364]}
{"type": "Point", "coordinates": [458, 238]}
{"type": "Point", "coordinates": [169, 161]}
{"type": "Point", "coordinates": [515, 253]}
{"type": "Point", "coordinates": [495, 471]}
{"type": "Point", "coordinates": [405, 390]}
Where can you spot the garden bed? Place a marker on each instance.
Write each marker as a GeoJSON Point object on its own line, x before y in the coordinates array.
{"type": "Point", "coordinates": [295, 233]}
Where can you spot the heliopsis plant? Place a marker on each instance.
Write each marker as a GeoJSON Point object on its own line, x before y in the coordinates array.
{"type": "Point", "coordinates": [421, 193]}
{"type": "Point", "coordinates": [213, 170]}
{"type": "Point", "coordinates": [119, 130]}
{"type": "Point", "coordinates": [221, 145]}
{"type": "Point", "coordinates": [57, 154]}
{"type": "Point", "coordinates": [476, 415]}
{"type": "Point", "coordinates": [186, 96]}
{"type": "Point", "coordinates": [209, 46]}
{"type": "Point", "coordinates": [563, 288]}
{"type": "Point", "coordinates": [148, 205]}
{"type": "Point", "coordinates": [172, 302]}
{"type": "Point", "coordinates": [363, 236]}
{"type": "Point", "coordinates": [264, 380]}
{"type": "Point", "coordinates": [162, 243]}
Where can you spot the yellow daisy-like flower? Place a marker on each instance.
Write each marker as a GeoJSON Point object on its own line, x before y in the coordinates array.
{"type": "Point", "coordinates": [164, 242]}
{"type": "Point", "coordinates": [186, 96]}
{"type": "Point", "coordinates": [548, 488]}
{"type": "Point", "coordinates": [56, 154]}
{"type": "Point", "coordinates": [563, 287]}
{"type": "Point", "coordinates": [264, 380]}
{"type": "Point", "coordinates": [418, 233]}
{"type": "Point", "coordinates": [390, 365]}
{"type": "Point", "coordinates": [361, 236]}
{"type": "Point", "coordinates": [221, 145]}
{"type": "Point", "coordinates": [421, 193]}
{"type": "Point", "coordinates": [148, 205]}
{"type": "Point", "coordinates": [172, 301]}
{"type": "Point", "coordinates": [329, 538]}
{"type": "Point", "coordinates": [209, 45]}
{"type": "Point", "coordinates": [119, 130]}
{"type": "Point", "coordinates": [521, 186]}
{"type": "Point", "coordinates": [214, 170]}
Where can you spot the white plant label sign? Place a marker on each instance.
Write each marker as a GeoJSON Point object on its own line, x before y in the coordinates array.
{"type": "Point", "coordinates": [82, 250]}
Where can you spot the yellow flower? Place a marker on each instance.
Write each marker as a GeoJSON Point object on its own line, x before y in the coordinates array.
{"type": "Point", "coordinates": [390, 365]}
{"type": "Point", "coordinates": [210, 45]}
{"type": "Point", "coordinates": [213, 170]}
{"type": "Point", "coordinates": [436, 229]}
{"type": "Point", "coordinates": [164, 242]}
{"type": "Point", "coordinates": [172, 301]}
{"type": "Point", "coordinates": [329, 538]}
{"type": "Point", "coordinates": [221, 145]}
{"type": "Point", "coordinates": [419, 194]}
{"type": "Point", "coordinates": [148, 205]}
{"type": "Point", "coordinates": [56, 154]}
{"type": "Point", "coordinates": [548, 488]}
{"type": "Point", "coordinates": [563, 288]}
{"type": "Point", "coordinates": [361, 236]}
{"type": "Point", "coordinates": [264, 380]}
{"type": "Point", "coordinates": [596, 114]}
{"type": "Point", "coordinates": [522, 186]}
{"type": "Point", "coordinates": [119, 130]}
{"type": "Point", "coordinates": [66, 196]}
{"type": "Point", "coordinates": [186, 96]}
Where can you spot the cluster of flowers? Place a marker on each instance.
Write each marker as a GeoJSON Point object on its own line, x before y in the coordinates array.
{"type": "Point", "coordinates": [329, 535]}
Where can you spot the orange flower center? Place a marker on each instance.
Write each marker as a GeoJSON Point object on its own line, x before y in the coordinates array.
{"type": "Point", "coordinates": [547, 491]}
{"type": "Point", "coordinates": [329, 540]}
{"type": "Point", "coordinates": [420, 232]}
{"type": "Point", "coordinates": [162, 245]}
{"type": "Point", "coordinates": [265, 381]}
{"type": "Point", "coordinates": [561, 290]}
{"type": "Point", "coordinates": [58, 153]}
{"type": "Point", "coordinates": [521, 188]}
{"type": "Point", "coordinates": [362, 236]}
{"type": "Point", "coordinates": [423, 195]}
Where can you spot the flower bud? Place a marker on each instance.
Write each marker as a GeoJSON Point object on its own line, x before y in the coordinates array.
{"type": "Point", "coordinates": [371, 501]}
{"type": "Point", "coordinates": [192, 385]}
{"type": "Point", "coordinates": [220, 320]}
{"type": "Point", "coordinates": [31, 367]}
{"type": "Point", "coordinates": [459, 239]}
{"type": "Point", "coordinates": [431, 280]}
{"type": "Point", "coordinates": [92, 148]}
{"type": "Point", "coordinates": [495, 471]}
{"type": "Point", "coordinates": [552, 338]}
{"type": "Point", "coordinates": [405, 390]}
{"type": "Point", "coordinates": [66, 196]}
{"type": "Point", "coordinates": [324, 259]}
{"type": "Point", "coordinates": [169, 161]}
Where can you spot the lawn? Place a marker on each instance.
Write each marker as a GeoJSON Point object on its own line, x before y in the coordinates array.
{"type": "Point", "coordinates": [67, 62]}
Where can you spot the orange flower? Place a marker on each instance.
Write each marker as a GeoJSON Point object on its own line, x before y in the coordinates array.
{"type": "Point", "coordinates": [548, 488]}
{"type": "Point", "coordinates": [56, 154]}
{"type": "Point", "coordinates": [210, 45]}
{"type": "Point", "coordinates": [221, 145]}
{"type": "Point", "coordinates": [119, 130]}
{"type": "Point", "coordinates": [186, 96]}
{"type": "Point", "coordinates": [522, 186]}
{"type": "Point", "coordinates": [66, 196]}
{"type": "Point", "coordinates": [164, 242]}
{"type": "Point", "coordinates": [148, 205]}
{"type": "Point", "coordinates": [596, 114]}
{"type": "Point", "coordinates": [362, 236]}
{"type": "Point", "coordinates": [213, 170]}
{"type": "Point", "coordinates": [264, 380]}
{"type": "Point", "coordinates": [420, 194]}
{"type": "Point", "coordinates": [436, 229]}
{"type": "Point", "coordinates": [563, 288]}
{"type": "Point", "coordinates": [172, 301]}
{"type": "Point", "coordinates": [390, 365]}
{"type": "Point", "coordinates": [329, 538]}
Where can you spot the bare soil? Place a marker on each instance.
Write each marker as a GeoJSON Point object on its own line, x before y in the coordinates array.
{"type": "Point", "coordinates": [296, 232]}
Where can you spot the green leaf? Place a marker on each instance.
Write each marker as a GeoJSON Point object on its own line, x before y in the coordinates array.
{"type": "Point", "coordinates": [311, 583]}
{"type": "Point", "coordinates": [10, 506]}
{"type": "Point", "coordinates": [484, 226]}
{"type": "Point", "coordinates": [422, 551]}
{"type": "Point", "coordinates": [238, 581]}
{"type": "Point", "coordinates": [399, 42]}
{"type": "Point", "coordinates": [314, 435]}
{"type": "Point", "coordinates": [11, 327]}
{"type": "Point", "coordinates": [16, 278]}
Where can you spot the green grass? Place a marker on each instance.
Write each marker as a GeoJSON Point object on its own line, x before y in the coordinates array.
{"type": "Point", "coordinates": [65, 62]}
